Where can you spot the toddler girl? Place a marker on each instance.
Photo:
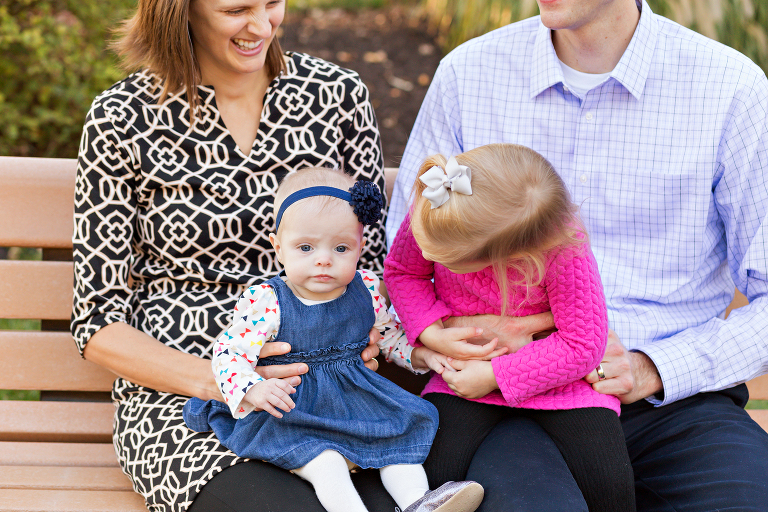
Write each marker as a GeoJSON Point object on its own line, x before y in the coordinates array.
{"type": "Point", "coordinates": [493, 231]}
{"type": "Point", "coordinates": [341, 412]}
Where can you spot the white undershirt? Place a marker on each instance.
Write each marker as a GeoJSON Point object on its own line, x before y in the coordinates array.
{"type": "Point", "coordinates": [581, 83]}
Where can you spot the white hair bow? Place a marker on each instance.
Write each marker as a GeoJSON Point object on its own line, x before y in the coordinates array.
{"type": "Point", "coordinates": [455, 177]}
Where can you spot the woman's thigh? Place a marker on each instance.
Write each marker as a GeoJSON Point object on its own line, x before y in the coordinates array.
{"type": "Point", "coordinates": [462, 428]}
{"type": "Point", "coordinates": [256, 485]}
{"type": "Point", "coordinates": [522, 469]}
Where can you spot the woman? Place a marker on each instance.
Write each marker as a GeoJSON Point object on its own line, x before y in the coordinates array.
{"type": "Point", "coordinates": [178, 166]}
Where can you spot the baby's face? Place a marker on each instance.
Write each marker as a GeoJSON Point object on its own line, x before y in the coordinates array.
{"type": "Point", "coordinates": [320, 252]}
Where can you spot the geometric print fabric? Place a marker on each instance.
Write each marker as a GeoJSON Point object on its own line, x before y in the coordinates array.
{"type": "Point", "coordinates": [172, 224]}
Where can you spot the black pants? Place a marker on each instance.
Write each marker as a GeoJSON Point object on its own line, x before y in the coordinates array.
{"type": "Point", "coordinates": [587, 446]}
{"type": "Point", "coordinates": [261, 487]}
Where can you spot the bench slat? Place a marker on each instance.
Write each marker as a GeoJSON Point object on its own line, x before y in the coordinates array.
{"type": "Point", "coordinates": [61, 369]}
{"type": "Point", "coordinates": [14, 453]}
{"type": "Point", "coordinates": [761, 417]}
{"type": "Point", "coordinates": [36, 202]}
{"type": "Point", "coordinates": [54, 477]}
{"type": "Point", "coordinates": [28, 500]}
{"type": "Point", "coordinates": [36, 289]}
{"type": "Point", "coordinates": [69, 422]}
{"type": "Point", "coordinates": [758, 388]}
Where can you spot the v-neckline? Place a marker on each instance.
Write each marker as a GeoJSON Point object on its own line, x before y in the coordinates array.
{"type": "Point", "coordinates": [271, 87]}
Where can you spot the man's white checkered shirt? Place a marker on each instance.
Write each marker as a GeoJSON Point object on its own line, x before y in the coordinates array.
{"type": "Point", "coordinates": [668, 160]}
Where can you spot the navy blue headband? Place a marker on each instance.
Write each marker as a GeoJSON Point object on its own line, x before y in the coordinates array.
{"type": "Point", "coordinates": [364, 196]}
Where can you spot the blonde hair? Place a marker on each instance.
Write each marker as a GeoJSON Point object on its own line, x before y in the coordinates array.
{"type": "Point", "coordinates": [519, 210]}
{"type": "Point", "coordinates": [157, 38]}
{"type": "Point", "coordinates": [312, 177]}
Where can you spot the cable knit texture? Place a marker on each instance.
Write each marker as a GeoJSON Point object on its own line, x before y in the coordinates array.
{"type": "Point", "coordinates": [545, 374]}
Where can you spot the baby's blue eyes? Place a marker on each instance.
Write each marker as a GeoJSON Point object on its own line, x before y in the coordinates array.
{"type": "Point", "coordinates": [307, 248]}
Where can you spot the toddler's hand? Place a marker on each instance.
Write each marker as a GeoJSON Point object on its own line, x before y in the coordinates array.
{"type": "Point", "coordinates": [423, 357]}
{"type": "Point", "coordinates": [472, 379]}
{"type": "Point", "coordinates": [452, 341]}
{"type": "Point", "coordinates": [269, 395]}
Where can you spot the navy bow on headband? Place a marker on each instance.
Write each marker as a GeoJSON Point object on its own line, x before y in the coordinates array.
{"type": "Point", "coordinates": [364, 196]}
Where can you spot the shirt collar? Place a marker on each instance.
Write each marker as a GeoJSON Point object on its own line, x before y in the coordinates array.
{"type": "Point", "coordinates": [631, 71]}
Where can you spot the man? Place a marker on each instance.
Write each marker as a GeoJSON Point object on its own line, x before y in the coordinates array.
{"type": "Point", "coordinates": [662, 138]}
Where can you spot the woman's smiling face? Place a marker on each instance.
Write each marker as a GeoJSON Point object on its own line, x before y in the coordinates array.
{"type": "Point", "coordinates": [232, 36]}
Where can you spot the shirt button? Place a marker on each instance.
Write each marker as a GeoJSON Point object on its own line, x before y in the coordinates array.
{"type": "Point", "coordinates": [589, 116]}
{"type": "Point", "coordinates": [583, 178]}
{"type": "Point", "coordinates": [565, 88]}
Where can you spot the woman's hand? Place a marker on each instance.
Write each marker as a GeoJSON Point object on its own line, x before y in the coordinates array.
{"type": "Point", "coordinates": [289, 372]}
{"type": "Point", "coordinates": [512, 332]}
{"type": "Point", "coordinates": [271, 395]}
{"type": "Point", "coordinates": [454, 342]}
{"type": "Point", "coordinates": [472, 379]}
{"type": "Point", "coordinates": [372, 350]}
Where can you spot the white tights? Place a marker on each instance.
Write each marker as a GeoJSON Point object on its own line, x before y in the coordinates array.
{"type": "Point", "coordinates": [329, 475]}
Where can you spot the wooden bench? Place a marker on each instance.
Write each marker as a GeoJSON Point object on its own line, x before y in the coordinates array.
{"type": "Point", "coordinates": [56, 454]}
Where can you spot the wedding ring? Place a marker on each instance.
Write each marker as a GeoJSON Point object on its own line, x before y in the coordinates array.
{"type": "Point", "coordinates": [600, 372]}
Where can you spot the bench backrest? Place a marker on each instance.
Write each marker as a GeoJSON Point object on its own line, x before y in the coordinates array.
{"type": "Point", "coordinates": [36, 206]}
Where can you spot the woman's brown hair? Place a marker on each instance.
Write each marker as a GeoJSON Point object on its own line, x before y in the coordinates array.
{"type": "Point", "coordinates": [157, 38]}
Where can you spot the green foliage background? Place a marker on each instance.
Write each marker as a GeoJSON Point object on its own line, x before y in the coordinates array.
{"type": "Point", "coordinates": [53, 64]}
{"type": "Point", "coordinates": [54, 57]}
{"type": "Point", "coordinates": [740, 24]}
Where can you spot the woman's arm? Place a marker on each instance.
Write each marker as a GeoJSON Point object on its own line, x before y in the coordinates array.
{"type": "Point", "coordinates": [143, 360]}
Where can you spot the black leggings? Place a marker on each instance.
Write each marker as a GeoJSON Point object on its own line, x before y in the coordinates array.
{"type": "Point", "coordinates": [590, 440]}
{"type": "Point", "coordinates": [260, 486]}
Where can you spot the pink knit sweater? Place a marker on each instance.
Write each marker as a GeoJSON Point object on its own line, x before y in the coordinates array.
{"type": "Point", "coordinates": [545, 374]}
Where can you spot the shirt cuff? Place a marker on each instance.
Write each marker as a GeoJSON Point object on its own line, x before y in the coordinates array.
{"type": "Point", "coordinates": [675, 361]}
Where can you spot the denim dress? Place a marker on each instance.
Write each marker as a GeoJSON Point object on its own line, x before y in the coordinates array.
{"type": "Point", "coordinates": [340, 404]}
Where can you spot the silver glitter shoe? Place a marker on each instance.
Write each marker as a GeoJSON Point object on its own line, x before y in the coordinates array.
{"type": "Point", "coordinates": [450, 497]}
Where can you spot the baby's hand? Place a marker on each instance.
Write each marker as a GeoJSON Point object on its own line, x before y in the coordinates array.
{"type": "Point", "coordinates": [268, 395]}
{"type": "Point", "coordinates": [452, 341]}
{"type": "Point", "coordinates": [423, 357]}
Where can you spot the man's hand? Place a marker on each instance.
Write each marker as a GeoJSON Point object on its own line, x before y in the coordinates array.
{"type": "Point", "coordinates": [512, 332]}
{"type": "Point", "coordinates": [271, 395]}
{"type": "Point", "coordinates": [454, 342]}
{"type": "Point", "coordinates": [472, 379]}
{"type": "Point", "coordinates": [630, 376]}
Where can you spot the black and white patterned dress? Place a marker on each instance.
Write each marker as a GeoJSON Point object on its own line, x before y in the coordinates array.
{"type": "Point", "coordinates": [172, 224]}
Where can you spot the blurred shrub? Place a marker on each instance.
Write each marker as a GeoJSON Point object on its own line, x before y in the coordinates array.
{"type": "Point", "coordinates": [740, 24]}
{"type": "Point", "coordinates": [53, 64]}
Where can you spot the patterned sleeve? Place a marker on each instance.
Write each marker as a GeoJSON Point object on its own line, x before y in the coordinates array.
{"type": "Point", "coordinates": [393, 343]}
{"type": "Point", "coordinates": [363, 158]}
{"type": "Point", "coordinates": [256, 321]}
{"type": "Point", "coordinates": [105, 213]}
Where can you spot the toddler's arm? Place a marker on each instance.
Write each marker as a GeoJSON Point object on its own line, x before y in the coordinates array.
{"type": "Point", "coordinates": [576, 348]}
{"type": "Point", "coordinates": [409, 282]}
{"type": "Point", "coordinates": [256, 320]}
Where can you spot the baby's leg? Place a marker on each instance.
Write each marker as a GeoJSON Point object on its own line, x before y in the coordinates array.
{"type": "Point", "coordinates": [329, 475]}
{"type": "Point", "coordinates": [406, 483]}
